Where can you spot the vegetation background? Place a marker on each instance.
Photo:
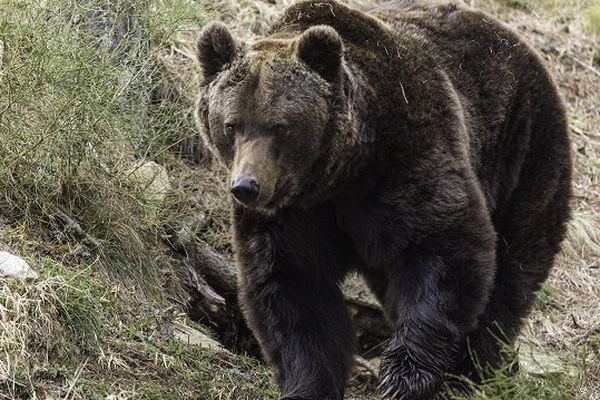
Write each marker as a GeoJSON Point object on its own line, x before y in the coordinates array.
{"type": "Point", "coordinates": [101, 169]}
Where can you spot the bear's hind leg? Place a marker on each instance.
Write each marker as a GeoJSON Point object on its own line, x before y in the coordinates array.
{"type": "Point", "coordinates": [529, 237]}
{"type": "Point", "coordinates": [432, 311]}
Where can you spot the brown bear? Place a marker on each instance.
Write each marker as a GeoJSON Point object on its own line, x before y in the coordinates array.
{"type": "Point", "coordinates": [424, 146]}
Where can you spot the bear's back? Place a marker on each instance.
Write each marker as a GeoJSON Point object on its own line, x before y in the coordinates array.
{"type": "Point", "coordinates": [504, 90]}
{"type": "Point", "coordinates": [509, 101]}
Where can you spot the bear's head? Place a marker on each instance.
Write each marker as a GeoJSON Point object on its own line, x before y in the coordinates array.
{"type": "Point", "coordinates": [268, 110]}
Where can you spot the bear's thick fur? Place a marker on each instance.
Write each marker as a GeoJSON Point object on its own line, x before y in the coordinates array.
{"type": "Point", "coordinates": [424, 146]}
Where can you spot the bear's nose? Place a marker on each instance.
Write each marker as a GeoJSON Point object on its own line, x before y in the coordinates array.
{"type": "Point", "coordinates": [245, 189]}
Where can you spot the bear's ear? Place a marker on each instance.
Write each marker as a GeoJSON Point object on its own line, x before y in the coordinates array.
{"type": "Point", "coordinates": [215, 47]}
{"type": "Point", "coordinates": [321, 48]}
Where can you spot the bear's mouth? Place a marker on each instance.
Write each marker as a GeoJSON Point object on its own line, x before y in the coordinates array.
{"type": "Point", "coordinates": [283, 195]}
{"type": "Point", "coordinates": [280, 197]}
{"type": "Point", "coordinates": [274, 197]}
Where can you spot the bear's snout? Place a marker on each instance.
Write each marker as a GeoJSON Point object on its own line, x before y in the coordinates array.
{"type": "Point", "coordinates": [254, 171]}
{"type": "Point", "coordinates": [245, 189]}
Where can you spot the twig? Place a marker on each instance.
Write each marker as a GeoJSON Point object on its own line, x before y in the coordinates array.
{"type": "Point", "coordinates": [74, 228]}
{"type": "Point", "coordinates": [585, 65]}
{"type": "Point", "coordinates": [76, 377]}
{"type": "Point", "coordinates": [568, 53]}
{"type": "Point", "coordinates": [575, 323]}
{"type": "Point", "coordinates": [183, 52]}
{"type": "Point", "coordinates": [590, 136]}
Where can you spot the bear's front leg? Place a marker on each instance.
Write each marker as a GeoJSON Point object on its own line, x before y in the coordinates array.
{"type": "Point", "coordinates": [435, 300]}
{"type": "Point", "coordinates": [290, 265]}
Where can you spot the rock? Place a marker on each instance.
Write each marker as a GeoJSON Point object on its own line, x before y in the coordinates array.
{"type": "Point", "coordinates": [153, 180]}
{"type": "Point", "coordinates": [533, 361]}
{"type": "Point", "coordinates": [1, 52]}
{"type": "Point", "coordinates": [189, 335]}
{"type": "Point", "coordinates": [367, 368]}
{"type": "Point", "coordinates": [15, 267]}
{"type": "Point", "coordinates": [189, 228]}
{"type": "Point", "coordinates": [355, 288]}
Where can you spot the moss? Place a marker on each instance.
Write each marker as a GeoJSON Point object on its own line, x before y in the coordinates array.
{"type": "Point", "coordinates": [547, 298]}
{"type": "Point", "coordinates": [517, 4]}
{"type": "Point", "coordinates": [93, 389]}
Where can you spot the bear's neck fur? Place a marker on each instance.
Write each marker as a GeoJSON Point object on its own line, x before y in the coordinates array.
{"type": "Point", "coordinates": [349, 144]}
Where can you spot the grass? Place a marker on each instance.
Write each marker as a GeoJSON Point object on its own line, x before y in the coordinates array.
{"type": "Point", "coordinates": [80, 334]}
{"type": "Point", "coordinates": [524, 386]}
{"type": "Point", "coordinates": [76, 118]}
{"type": "Point", "coordinates": [506, 385]}
{"type": "Point", "coordinates": [52, 316]}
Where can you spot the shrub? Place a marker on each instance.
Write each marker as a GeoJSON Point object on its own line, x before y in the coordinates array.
{"type": "Point", "coordinates": [76, 116]}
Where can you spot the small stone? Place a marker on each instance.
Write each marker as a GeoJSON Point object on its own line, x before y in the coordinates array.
{"type": "Point", "coordinates": [536, 362]}
{"type": "Point", "coordinates": [153, 179]}
{"type": "Point", "coordinates": [189, 335]}
{"type": "Point", "coordinates": [15, 267]}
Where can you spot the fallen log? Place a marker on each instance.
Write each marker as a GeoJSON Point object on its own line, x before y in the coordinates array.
{"type": "Point", "coordinates": [219, 270]}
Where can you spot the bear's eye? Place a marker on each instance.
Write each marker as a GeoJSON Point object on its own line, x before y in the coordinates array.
{"type": "Point", "coordinates": [230, 129]}
{"type": "Point", "coordinates": [280, 129]}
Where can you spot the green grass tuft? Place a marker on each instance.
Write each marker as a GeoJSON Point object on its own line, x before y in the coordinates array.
{"type": "Point", "coordinates": [508, 384]}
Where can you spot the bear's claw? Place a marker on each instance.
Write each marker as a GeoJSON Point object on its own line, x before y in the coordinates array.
{"type": "Point", "coordinates": [404, 379]}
